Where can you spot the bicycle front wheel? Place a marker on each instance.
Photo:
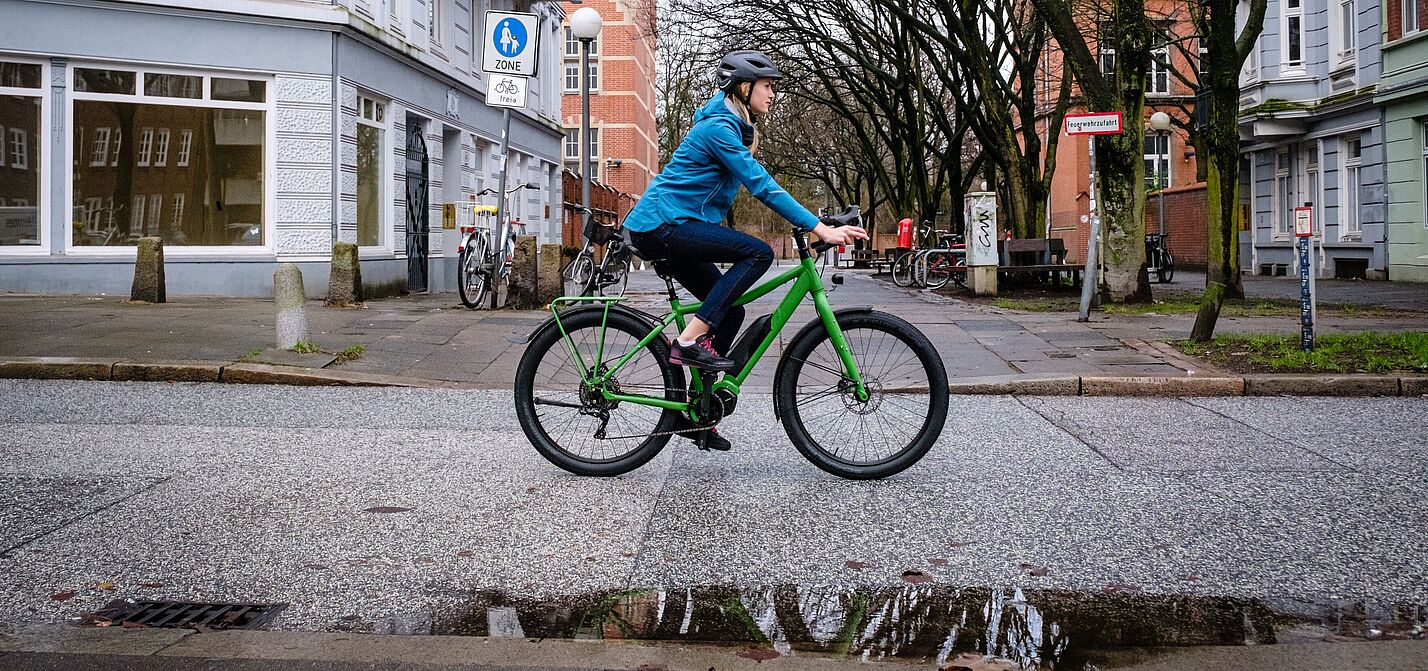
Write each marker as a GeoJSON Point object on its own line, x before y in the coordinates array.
{"type": "Point", "coordinates": [1167, 267]}
{"type": "Point", "coordinates": [567, 418]}
{"type": "Point", "coordinates": [902, 270]}
{"type": "Point", "coordinates": [472, 278]}
{"type": "Point", "coordinates": [937, 269]}
{"type": "Point", "coordinates": [854, 438]}
{"type": "Point", "coordinates": [578, 275]}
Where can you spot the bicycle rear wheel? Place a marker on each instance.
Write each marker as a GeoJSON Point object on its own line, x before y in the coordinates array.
{"type": "Point", "coordinates": [568, 420]}
{"type": "Point", "coordinates": [578, 274]}
{"type": "Point", "coordinates": [472, 278]}
{"type": "Point", "coordinates": [937, 269]}
{"type": "Point", "coordinates": [1167, 267]}
{"type": "Point", "coordinates": [851, 438]}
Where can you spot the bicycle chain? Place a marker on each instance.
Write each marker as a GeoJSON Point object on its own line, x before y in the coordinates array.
{"type": "Point", "coordinates": [694, 429]}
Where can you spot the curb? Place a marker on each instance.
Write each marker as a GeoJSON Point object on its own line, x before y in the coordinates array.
{"type": "Point", "coordinates": [72, 368]}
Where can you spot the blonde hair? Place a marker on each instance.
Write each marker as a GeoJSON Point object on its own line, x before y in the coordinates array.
{"type": "Point", "coordinates": [743, 90]}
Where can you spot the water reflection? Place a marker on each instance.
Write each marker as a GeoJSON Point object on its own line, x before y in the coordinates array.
{"type": "Point", "coordinates": [1032, 629]}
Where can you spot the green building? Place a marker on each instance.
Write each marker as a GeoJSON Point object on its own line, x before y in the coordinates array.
{"type": "Point", "coordinates": [1403, 93]}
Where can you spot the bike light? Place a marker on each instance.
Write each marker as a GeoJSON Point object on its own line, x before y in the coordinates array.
{"type": "Point", "coordinates": [837, 278]}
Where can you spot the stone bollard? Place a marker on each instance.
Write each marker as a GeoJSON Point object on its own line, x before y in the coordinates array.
{"type": "Point", "coordinates": [289, 299]}
{"type": "Point", "coordinates": [149, 272]}
{"type": "Point", "coordinates": [523, 292]}
{"type": "Point", "coordinates": [549, 283]}
{"type": "Point", "coordinates": [344, 285]}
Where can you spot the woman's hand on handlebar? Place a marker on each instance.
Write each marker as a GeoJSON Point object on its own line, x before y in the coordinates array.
{"type": "Point", "coordinates": [840, 235]}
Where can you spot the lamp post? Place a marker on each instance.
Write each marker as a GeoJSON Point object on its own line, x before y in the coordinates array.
{"type": "Point", "coordinates": [1160, 122]}
{"type": "Point", "coordinates": [585, 24]}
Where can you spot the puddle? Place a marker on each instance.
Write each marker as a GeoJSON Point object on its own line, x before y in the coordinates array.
{"type": "Point", "coordinates": [1028, 628]}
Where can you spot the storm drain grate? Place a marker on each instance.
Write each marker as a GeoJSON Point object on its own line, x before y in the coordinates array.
{"type": "Point", "coordinates": [181, 615]}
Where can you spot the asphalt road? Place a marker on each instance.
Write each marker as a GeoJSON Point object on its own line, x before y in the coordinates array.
{"type": "Point", "coordinates": [251, 493]}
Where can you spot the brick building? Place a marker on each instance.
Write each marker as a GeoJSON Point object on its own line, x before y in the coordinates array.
{"type": "Point", "coordinates": [1170, 162]}
{"type": "Point", "coordinates": [624, 143]}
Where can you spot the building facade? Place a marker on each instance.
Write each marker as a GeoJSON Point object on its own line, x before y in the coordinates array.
{"type": "Point", "coordinates": [1313, 136]}
{"type": "Point", "coordinates": [1403, 93]}
{"type": "Point", "coordinates": [246, 133]}
{"type": "Point", "coordinates": [624, 141]}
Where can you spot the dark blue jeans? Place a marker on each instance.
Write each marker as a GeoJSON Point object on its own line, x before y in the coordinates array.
{"type": "Point", "coordinates": [690, 251]}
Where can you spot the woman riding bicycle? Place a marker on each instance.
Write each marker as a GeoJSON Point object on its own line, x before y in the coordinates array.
{"type": "Point", "coordinates": [679, 217]}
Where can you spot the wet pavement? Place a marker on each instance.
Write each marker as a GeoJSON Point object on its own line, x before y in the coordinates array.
{"type": "Point", "coordinates": [426, 511]}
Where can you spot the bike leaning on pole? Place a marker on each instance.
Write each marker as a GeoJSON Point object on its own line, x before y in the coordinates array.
{"type": "Point", "coordinates": [476, 258]}
{"type": "Point", "coordinates": [861, 394]}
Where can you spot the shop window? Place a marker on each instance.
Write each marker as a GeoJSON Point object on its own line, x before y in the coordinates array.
{"type": "Point", "coordinates": [20, 147]}
{"type": "Point", "coordinates": [216, 186]}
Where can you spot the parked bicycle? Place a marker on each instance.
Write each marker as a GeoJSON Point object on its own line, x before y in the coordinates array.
{"type": "Point", "coordinates": [610, 275]}
{"type": "Point", "coordinates": [476, 257]}
{"type": "Point", "coordinates": [860, 393]}
{"type": "Point", "coordinates": [1160, 263]}
{"type": "Point", "coordinates": [933, 268]}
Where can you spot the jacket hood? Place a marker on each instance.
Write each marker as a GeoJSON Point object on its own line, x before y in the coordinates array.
{"type": "Point", "coordinates": [720, 106]}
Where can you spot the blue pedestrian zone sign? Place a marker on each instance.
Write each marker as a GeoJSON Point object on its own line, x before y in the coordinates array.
{"type": "Point", "coordinates": [510, 37]}
{"type": "Point", "coordinates": [512, 44]}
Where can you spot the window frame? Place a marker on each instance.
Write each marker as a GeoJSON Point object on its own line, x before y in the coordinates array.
{"type": "Point", "coordinates": [1159, 159]}
{"type": "Point", "coordinates": [44, 214]}
{"type": "Point", "coordinates": [1286, 14]}
{"type": "Point", "coordinates": [1283, 194]}
{"type": "Point", "coordinates": [1159, 67]}
{"type": "Point", "coordinates": [269, 163]}
{"type": "Point", "coordinates": [1347, 31]}
{"type": "Point", "coordinates": [385, 166]}
{"type": "Point", "coordinates": [1407, 8]}
{"type": "Point", "coordinates": [1351, 225]}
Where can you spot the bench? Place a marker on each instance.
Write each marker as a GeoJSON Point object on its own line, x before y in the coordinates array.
{"type": "Point", "coordinates": [889, 258]}
{"type": "Point", "coordinates": [1038, 259]}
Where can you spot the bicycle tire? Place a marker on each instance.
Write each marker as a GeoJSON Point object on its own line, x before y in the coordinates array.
{"type": "Point", "coordinates": [902, 270]}
{"type": "Point", "coordinates": [936, 276]}
{"type": "Point", "coordinates": [649, 369]}
{"type": "Point", "coordinates": [1167, 267]}
{"type": "Point", "coordinates": [892, 386]}
{"type": "Point", "coordinates": [919, 270]}
{"type": "Point", "coordinates": [579, 273]}
{"type": "Point", "coordinates": [472, 279]}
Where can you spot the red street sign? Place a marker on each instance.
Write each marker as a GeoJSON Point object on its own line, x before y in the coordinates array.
{"type": "Point", "coordinates": [1097, 123]}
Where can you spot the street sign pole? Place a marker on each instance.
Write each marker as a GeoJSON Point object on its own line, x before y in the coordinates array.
{"type": "Point", "coordinates": [499, 244]}
{"type": "Point", "coordinates": [1089, 279]}
{"type": "Point", "coordinates": [1304, 231]}
{"type": "Point", "coordinates": [1093, 124]}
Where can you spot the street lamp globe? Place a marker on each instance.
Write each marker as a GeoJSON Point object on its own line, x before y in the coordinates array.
{"type": "Point", "coordinates": [585, 23]}
{"type": "Point", "coordinates": [1160, 121]}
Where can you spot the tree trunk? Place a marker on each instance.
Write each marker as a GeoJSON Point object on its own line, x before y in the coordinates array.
{"type": "Point", "coordinates": [1122, 208]}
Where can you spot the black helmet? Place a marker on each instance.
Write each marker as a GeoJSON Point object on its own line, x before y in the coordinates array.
{"type": "Point", "coordinates": [746, 65]}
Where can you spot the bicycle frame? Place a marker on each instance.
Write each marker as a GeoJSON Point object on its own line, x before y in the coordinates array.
{"type": "Point", "coordinates": [805, 281]}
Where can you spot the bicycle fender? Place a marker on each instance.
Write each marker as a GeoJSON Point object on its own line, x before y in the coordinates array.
{"type": "Point", "coordinates": [549, 323]}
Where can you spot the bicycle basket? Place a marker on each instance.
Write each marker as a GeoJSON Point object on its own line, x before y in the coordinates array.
{"type": "Point", "coordinates": [601, 233]}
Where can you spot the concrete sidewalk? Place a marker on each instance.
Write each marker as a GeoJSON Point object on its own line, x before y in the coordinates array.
{"type": "Point", "coordinates": [432, 338]}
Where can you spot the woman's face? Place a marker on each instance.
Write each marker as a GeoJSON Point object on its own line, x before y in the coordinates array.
{"type": "Point", "coordinates": [761, 97]}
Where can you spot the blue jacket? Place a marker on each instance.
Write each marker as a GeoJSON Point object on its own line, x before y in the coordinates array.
{"type": "Point", "coordinates": [704, 174]}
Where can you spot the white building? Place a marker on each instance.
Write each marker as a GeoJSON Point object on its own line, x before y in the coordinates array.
{"type": "Point", "coordinates": [251, 132]}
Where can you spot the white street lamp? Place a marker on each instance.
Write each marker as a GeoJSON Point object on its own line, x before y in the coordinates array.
{"type": "Point", "coordinates": [1160, 123]}
{"type": "Point", "coordinates": [585, 24]}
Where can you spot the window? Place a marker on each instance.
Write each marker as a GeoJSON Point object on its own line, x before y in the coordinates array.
{"type": "Point", "coordinates": [161, 155]}
{"type": "Point", "coordinates": [146, 146]}
{"type": "Point", "coordinates": [1157, 161]}
{"type": "Point", "coordinates": [1159, 73]}
{"type": "Point", "coordinates": [221, 124]}
{"type": "Point", "coordinates": [371, 130]}
{"type": "Point", "coordinates": [101, 147]}
{"type": "Point", "coordinates": [1202, 63]}
{"type": "Point", "coordinates": [572, 144]}
{"type": "Point", "coordinates": [433, 21]}
{"type": "Point", "coordinates": [593, 74]}
{"type": "Point", "coordinates": [19, 149]}
{"type": "Point", "coordinates": [1348, 31]}
{"type": "Point", "coordinates": [572, 44]}
{"type": "Point", "coordinates": [156, 208]}
{"type": "Point", "coordinates": [1309, 185]}
{"type": "Point", "coordinates": [1293, 30]}
{"type": "Point", "coordinates": [1352, 150]}
{"type": "Point", "coordinates": [185, 146]}
{"type": "Point", "coordinates": [572, 76]}
{"type": "Point", "coordinates": [92, 212]}
{"type": "Point", "coordinates": [1105, 42]}
{"type": "Point", "coordinates": [177, 221]}
{"type": "Point", "coordinates": [1283, 194]}
{"type": "Point", "coordinates": [594, 153]}
{"type": "Point", "coordinates": [1409, 16]}
{"type": "Point", "coordinates": [1424, 178]}
{"type": "Point", "coordinates": [20, 116]}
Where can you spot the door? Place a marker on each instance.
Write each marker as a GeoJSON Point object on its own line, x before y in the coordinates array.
{"type": "Point", "coordinates": [418, 214]}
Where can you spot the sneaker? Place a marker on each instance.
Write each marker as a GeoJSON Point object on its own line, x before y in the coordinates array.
{"type": "Point", "coordinates": [700, 355]}
{"type": "Point", "coordinates": [712, 439]}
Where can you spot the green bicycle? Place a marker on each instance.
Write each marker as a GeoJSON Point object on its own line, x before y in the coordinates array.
{"type": "Point", "coordinates": [862, 394]}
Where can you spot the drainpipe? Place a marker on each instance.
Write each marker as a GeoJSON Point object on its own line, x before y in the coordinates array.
{"type": "Point", "coordinates": [336, 143]}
